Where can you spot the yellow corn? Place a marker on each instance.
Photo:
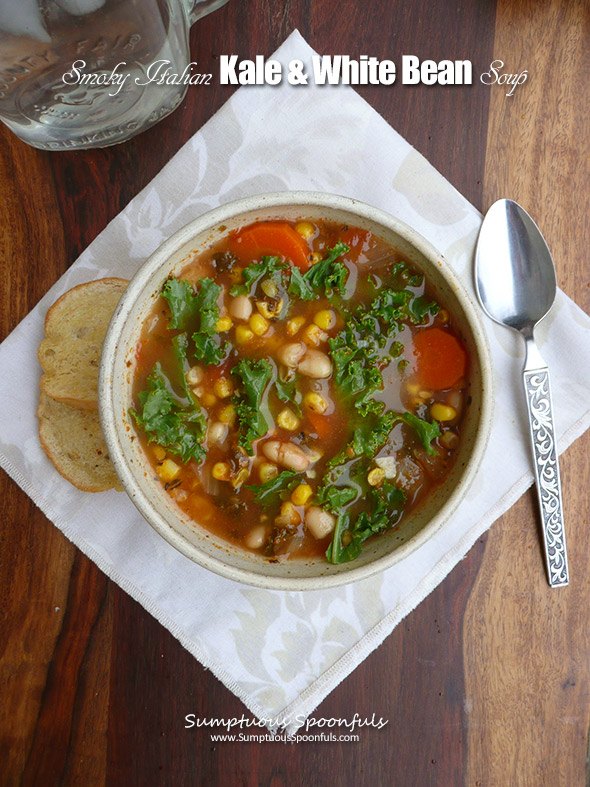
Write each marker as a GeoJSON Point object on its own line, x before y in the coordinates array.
{"type": "Point", "coordinates": [243, 334]}
{"type": "Point", "coordinates": [267, 470]}
{"type": "Point", "coordinates": [288, 512]}
{"type": "Point", "coordinates": [315, 402]}
{"type": "Point", "coordinates": [287, 419]}
{"type": "Point", "coordinates": [313, 335]}
{"type": "Point", "coordinates": [168, 470]}
{"type": "Point", "coordinates": [266, 311]}
{"type": "Point", "coordinates": [270, 288]}
{"type": "Point", "coordinates": [159, 452]}
{"type": "Point", "coordinates": [223, 388]}
{"type": "Point", "coordinates": [426, 394]}
{"type": "Point", "coordinates": [221, 471]}
{"type": "Point", "coordinates": [325, 319]}
{"type": "Point", "coordinates": [443, 412]}
{"type": "Point", "coordinates": [224, 324]}
{"type": "Point", "coordinates": [412, 388]}
{"type": "Point", "coordinates": [301, 494]}
{"type": "Point", "coordinates": [305, 229]}
{"type": "Point", "coordinates": [258, 324]}
{"type": "Point", "coordinates": [227, 415]}
{"type": "Point", "coordinates": [294, 325]}
{"type": "Point", "coordinates": [449, 440]}
{"type": "Point", "coordinates": [443, 316]}
{"type": "Point", "coordinates": [208, 399]}
{"type": "Point", "coordinates": [240, 477]}
{"type": "Point", "coordinates": [315, 257]}
{"type": "Point", "coordinates": [376, 476]}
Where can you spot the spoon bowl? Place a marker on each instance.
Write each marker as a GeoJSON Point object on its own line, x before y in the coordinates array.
{"type": "Point", "coordinates": [515, 274]}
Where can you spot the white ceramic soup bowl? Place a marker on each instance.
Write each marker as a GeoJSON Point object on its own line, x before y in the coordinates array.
{"type": "Point", "coordinates": [136, 473]}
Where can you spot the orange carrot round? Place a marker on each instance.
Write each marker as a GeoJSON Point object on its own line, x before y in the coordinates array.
{"type": "Point", "coordinates": [271, 238]}
{"type": "Point", "coordinates": [440, 360]}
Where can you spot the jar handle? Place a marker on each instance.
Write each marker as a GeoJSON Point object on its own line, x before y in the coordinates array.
{"type": "Point", "coordinates": [196, 9]}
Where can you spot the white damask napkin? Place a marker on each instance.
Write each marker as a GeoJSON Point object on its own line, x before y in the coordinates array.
{"type": "Point", "coordinates": [282, 653]}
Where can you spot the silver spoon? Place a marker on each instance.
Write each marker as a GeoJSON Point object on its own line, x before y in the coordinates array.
{"type": "Point", "coordinates": [516, 284]}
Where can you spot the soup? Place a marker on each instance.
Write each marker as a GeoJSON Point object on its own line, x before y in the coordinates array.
{"type": "Point", "coordinates": [299, 389]}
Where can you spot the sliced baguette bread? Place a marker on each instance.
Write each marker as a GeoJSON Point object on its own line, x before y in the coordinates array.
{"type": "Point", "coordinates": [75, 327]}
{"type": "Point", "coordinates": [73, 441]}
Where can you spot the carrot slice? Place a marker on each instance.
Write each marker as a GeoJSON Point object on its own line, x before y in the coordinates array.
{"type": "Point", "coordinates": [271, 238]}
{"type": "Point", "coordinates": [440, 360]}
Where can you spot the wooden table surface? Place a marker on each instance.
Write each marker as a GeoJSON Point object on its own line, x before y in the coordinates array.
{"type": "Point", "coordinates": [487, 682]}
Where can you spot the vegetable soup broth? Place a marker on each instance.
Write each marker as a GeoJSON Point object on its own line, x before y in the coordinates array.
{"type": "Point", "coordinates": [299, 389]}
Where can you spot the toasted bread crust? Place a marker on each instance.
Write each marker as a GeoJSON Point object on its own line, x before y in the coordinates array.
{"type": "Point", "coordinates": [75, 327]}
{"type": "Point", "coordinates": [73, 441]}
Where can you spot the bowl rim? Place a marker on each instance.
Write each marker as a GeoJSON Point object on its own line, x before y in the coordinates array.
{"type": "Point", "coordinates": [159, 258]}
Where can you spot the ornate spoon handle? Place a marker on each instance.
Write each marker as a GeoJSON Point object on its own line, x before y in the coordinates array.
{"type": "Point", "coordinates": [542, 429]}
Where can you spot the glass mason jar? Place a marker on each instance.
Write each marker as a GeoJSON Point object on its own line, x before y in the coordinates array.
{"type": "Point", "coordinates": [91, 73]}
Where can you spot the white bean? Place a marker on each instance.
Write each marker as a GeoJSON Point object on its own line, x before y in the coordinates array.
{"type": "Point", "coordinates": [290, 354]}
{"type": "Point", "coordinates": [320, 523]}
{"type": "Point", "coordinates": [217, 432]}
{"type": "Point", "coordinates": [256, 537]}
{"type": "Point", "coordinates": [315, 364]}
{"type": "Point", "coordinates": [241, 307]}
{"type": "Point", "coordinates": [286, 454]}
{"type": "Point", "coordinates": [195, 375]}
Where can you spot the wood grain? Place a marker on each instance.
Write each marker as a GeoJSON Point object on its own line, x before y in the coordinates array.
{"type": "Point", "coordinates": [526, 646]}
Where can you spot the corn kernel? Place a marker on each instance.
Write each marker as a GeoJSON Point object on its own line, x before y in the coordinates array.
{"type": "Point", "coordinates": [443, 316]}
{"type": "Point", "coordinates": [294, 325]}
{"type": "Point", "coordinates": [195, 375]}
{"type": "Point", "coordinates": [240, 477]}
{"type": "Point", "coordinates": [376, 476]}
{"type": "Point", "coordinates": [305, 229]}
{"type": "Point", "coordinates": [258, 324]}
{"type": "Point", "coordinates": [223, 388]}
{"type": "Point", "coordinates": [168, 470]}
{"type": "Point", "coordinates": [443, 412]}
{"type": "Point", "coordinates": [288, 512]}
{"type": "Point", "coordinates": [227, 415]}
{"type": "Point", "coordinates": [426, 394]}
{"type": "Point", "coordinates": [269, 288]}
{"type": "Point", "coordinates": [266, 311]}
{"type": "Point", "coordinates": [313, 335]}
{"type": "Point", "coordinates": [267, 471]}
{"type": "Point", "coordinates": [159, 452]}
{"type": "Point", "coordinates": [301, 494]}
{"type": "Point", "coordinates": [315, 402]}
{"type": "Point", "coordinates": [224, 324]}
{"type": "Point", "coordinates": [208, 399]}
{"type": "Point", "coordinates": [243, 334]}
{"type": "Point", "coordinates": [450, 440]}
{"type": "Point", "coordinates": [221, 471]}
{"type": "Point", "coordinates": [287, 419]}
{"type": "Point", "coordinates": [325, 319]}
{"type": "Point", "coordinates": [412, 388]}
{"type": "Point", "coordinates": [315, 257]}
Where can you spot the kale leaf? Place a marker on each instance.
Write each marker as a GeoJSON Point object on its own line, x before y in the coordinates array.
{"type": "Point", "coordinates": [299, 286]}
{"type": "Point", "coordinates": [387, 504]}
{"type": "Point", "coordinates": [287, 392]}
{"type": "Point", "coordinates": [198, 308]}
{"type": "Point", "coordinates": [426, 431]}
{"type": "Point", "coordinates": [268, 267]}
{"type": "Point", "coordinates": [268, 493]}
{"type": "Point", "coordinates": [179, 429]}
{"type": "Point", "coordinates": [328, 273]}
{"type": "Point", "coordinates": [181, 299]}
{"type": "Point", "coordinates": [254, 376]}
{"type": "Point", "coordinates": [336, 497]}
